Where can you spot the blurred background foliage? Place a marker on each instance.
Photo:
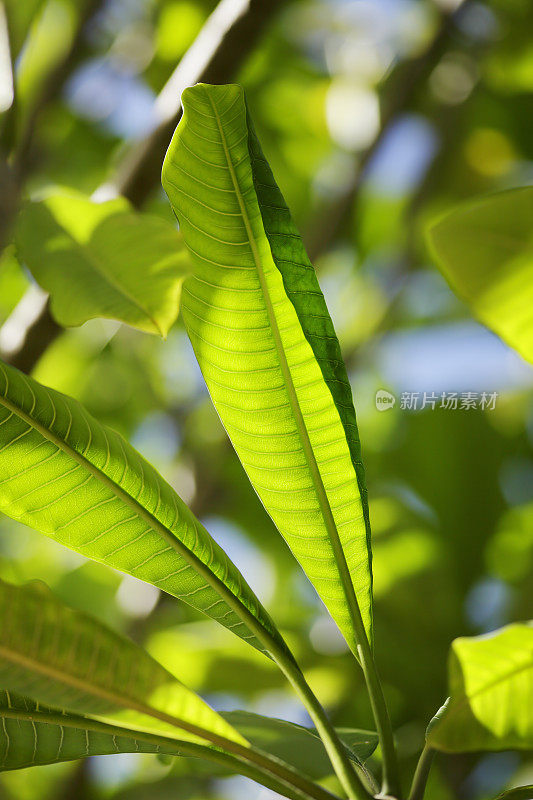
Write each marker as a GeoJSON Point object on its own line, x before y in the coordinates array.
{"type": "Point", "coordinates": [376, 115]}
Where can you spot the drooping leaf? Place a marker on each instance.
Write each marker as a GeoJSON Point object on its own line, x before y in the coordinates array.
{"type": "Point", "coordinates": [485, 251]}
{"type": "Point", "coordinates": [74, 665]}
{"type": "Point", "coordinates": [297, 745]}
{"type": "Point", "coordinates": [267, 348]}
{"type": "Point", "coordinates": [32, 734]}
{"type": "Point", "coordinates": [491, 686]}
{"type": "Point", "coordinates": [103, 260]}
{"type": "Point", "coordinates": [79, 482]}
{"type": "Point", "coordinates": [68, 660]}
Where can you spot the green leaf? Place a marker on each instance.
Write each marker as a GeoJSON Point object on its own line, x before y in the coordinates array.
{"type": "Point", "coordinates": [32, 734]}
{"type": "Point", "coordinates": [485, 251]}
{"type": "Point", "coordinates": [103, 260]}
{"type": "Point", "coordinates": [519, 793]}
{"type": "Point", "coordinates": [491, 686]}
{"type": "Point", "coordinates": [267, 348]}
{"type": "Point", "coordinates": [297, 745]}
{"type": "Point", "coordinates": [79, 482]}
{"type": "Point", "coordinates": [68, 660]}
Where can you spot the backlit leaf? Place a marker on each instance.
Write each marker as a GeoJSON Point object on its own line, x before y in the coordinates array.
{"type": "Point", "coordinates": [68, 660]}
{"type": "Point", "coordinates": [78, 481]}
{"type": "Point", "coordinates": [485, 251]}
{"type": "Point", "coordinates": [267, 348]}
{"type": "Point", "coordinates": [103, 260]}
{"type": "Point", "coordinates": [491, 687]}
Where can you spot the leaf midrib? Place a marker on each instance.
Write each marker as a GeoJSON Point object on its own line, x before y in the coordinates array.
{"type": "Point", "coordinates": [211, 579]}
{"type": "Point", "coordinates": [325, 507]}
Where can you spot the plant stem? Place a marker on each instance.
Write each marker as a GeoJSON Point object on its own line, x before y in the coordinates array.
{"type": "Point", "coordinates": [421, 773]}
{"type": "Point", "coordinates": [336, 751]}
{"type": "Point", "coordinates": [391, 778]}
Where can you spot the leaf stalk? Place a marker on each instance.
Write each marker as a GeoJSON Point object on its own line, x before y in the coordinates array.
{"type": "Point", "coordinates": [422, 773]}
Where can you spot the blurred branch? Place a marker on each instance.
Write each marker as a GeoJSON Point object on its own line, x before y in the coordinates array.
{"type": "Point", "coordinates": [223, 44]}
{"type": "Point", "coordinates": [398, 92]}
{"type": "Point", "coordinates": [50, 89]}
{"type": "Point", "coordinates": [14, 171]}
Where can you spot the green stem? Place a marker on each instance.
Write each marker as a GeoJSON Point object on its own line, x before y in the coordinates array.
{"type": "Point", "coordinates": [421, 773]}
{"type": "Point", "coordinates": [342, 765]}
{"type": "Point", "coordinates": [263, 769]}
{"type": "Point", "coordinates": [391, 776]}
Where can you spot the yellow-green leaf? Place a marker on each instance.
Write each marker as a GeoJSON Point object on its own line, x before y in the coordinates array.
{"type": "Point", "coordinates": [491, 693]}
{"type": "Point", "coordinates": [103, 260]}
{"type": "Point", "coordinates": [68, 660]}
{"type": "Point", "coordinates": [267, 348]}
{"type": "Point", "coordinates": [79, 482]}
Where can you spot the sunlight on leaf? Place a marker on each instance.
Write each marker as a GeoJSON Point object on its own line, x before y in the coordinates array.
{"type": "Point", "coordinates": [267, 348]}
{"type": "Point", "coordinates": [485, 250]}
{"type": "Point", "coordinates": [491, 685]}
{"type": "Point", "coordinates": [82, 484]}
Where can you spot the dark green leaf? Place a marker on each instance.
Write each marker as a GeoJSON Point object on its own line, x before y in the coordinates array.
{"type": "Point", "coordinates": [297, 745]}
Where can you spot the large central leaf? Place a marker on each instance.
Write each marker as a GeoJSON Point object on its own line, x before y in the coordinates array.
{"type": "Point", "coordinates": [78, 481]}
{"type": "Point", "coordinates": [267, 348]}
